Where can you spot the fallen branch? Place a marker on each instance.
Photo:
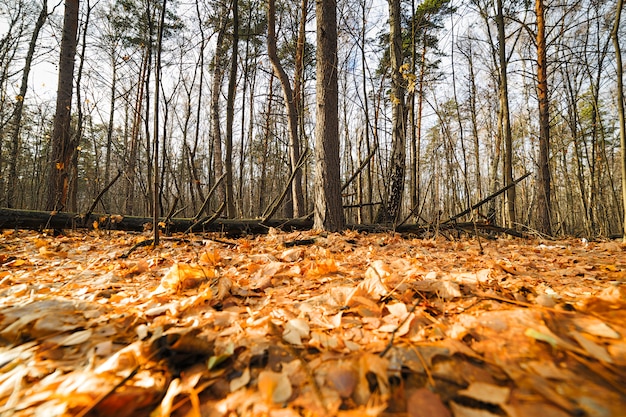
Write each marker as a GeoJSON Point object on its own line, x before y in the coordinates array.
{"type": "Point", "coordinates": [273, 207]}
{"type": "Point", "coordinates": [361, 167]}
{"type": "Point", "coordinates": [208, 197]}
{"type": "Point", "coordinates": [486, 199]}
{"type": "Point", "coordinates": [101, 194]}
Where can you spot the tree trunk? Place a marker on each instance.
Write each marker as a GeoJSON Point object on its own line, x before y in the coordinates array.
{"type": "Point", "coordinates": [218, 164]}
{"type": "Point", "coordinates": [506, 119]}
{"type": "Point", "coordinates": [291, 108]}
{"type": "Point", "coordinates": [620, 104]}
{"type": "Point", "coordinates": [298, 97]}
{"type": "Point", "coordinates": [19, 107]}
{"type": "Point", "coordinates": [328, 213]}
{"type": "Point", "coordinates": [111, 122]}
{"type": "Point", "coordinates": [390, 210]}
{"type": "Point", "coordinates": [61, 151]}
{"type": "Point", "coordinates": [133, 152]}
{"type": "Point", "coordinates": [155, 131]}
{"type": "Point", "coordinates": [543, 191]}
{"type": "Point", "coordinates": [230, 114]}
{"type": "Point", "coordinates": [367, 127]}
{"type": "Point", "coordinates": [262, 192]}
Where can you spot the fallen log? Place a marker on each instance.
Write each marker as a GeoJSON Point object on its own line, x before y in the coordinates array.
{"type": "Point", "coordinates": [39, 220]}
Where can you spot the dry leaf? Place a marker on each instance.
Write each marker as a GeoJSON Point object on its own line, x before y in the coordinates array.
{"type": "Point", "coordinates": [487, 393]}
{"type": "Point", "coordinates": [274, 386]}
{"type": "Point", "coordinates": [343, 379]}
{"type": "Point", "coordinates": [241, 381]}
{"type": "Point", "coordinates": [424, 402]}
{"type": "Point", "coordinates": [295, 330]}
{"type": "Point", "coordinates": [183, 277]}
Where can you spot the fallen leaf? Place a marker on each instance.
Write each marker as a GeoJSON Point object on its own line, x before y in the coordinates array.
{"type": "Point", "coordinates": [241, 381]}
{"type": "Point", "coordinates": [423, 402]}
{"type": "Point", "coordinates": [274, 386]}
{"type": "Point", "coordinates": [295, 330]}
{"type": "Point", "coordinates": [343, 379]}
{"type": "Point", "coordinates": [487, 393]}
{"type": "Point", "coordinates": [595, 351]}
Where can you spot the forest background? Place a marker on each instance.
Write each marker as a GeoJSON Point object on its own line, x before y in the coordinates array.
{"type": "Point", "coordinates": [440, 104]}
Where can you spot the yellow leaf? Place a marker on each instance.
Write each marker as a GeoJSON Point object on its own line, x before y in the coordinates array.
{"type": "Point", "coordinates": [211, 257]}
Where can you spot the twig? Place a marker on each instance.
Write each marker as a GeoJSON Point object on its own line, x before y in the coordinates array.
{"type": "Point", "coordinates": [309, 373]}
{"type": "Point", "coordinates": [402, 323]}
{"type": "Point", "coordinates": [146, 242]}
{"type": "Point", "coordinates": [107, 394]}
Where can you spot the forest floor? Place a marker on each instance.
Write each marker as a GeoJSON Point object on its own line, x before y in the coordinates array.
{"type": "Point", "coordinates": [313, 324]}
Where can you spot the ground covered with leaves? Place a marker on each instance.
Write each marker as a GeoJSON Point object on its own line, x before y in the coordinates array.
{"type": "Point", "coordinates": [312, 324]}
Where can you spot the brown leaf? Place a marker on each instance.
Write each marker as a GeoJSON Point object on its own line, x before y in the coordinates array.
{"type": "Point", "coordinates": [423, 402]}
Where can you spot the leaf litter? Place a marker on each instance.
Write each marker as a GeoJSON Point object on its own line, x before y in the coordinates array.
{"type": "Point", "coordinates": [309, 323]}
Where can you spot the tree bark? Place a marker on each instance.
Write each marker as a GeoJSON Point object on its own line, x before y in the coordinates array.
{"type": "Point", "coordinates": [62, 142]}
{"type": "Point", "coordinates": [328, 213]}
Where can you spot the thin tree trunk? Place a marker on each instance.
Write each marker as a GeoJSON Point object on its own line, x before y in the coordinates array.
{"type": "Point", "coordinates": [111, 125]}
{"type": "Point", "coordinates": [390, 210]}
{"type": "Point", "coordinates": [506, 119]}
{"type": "Point", "coordinates": [218, 164]}
{"type": "Point", "coordinates": [543, 196]}
{"type": "Point", "coordinates": [473, 91]}
{"type": "Point", "coordinates": [418, 124]}
{"type": "Point", "coordinates": [157, 89]}
{"type": "Point", "coordinates": [369, 186]}
{"type": "Point", "coordinates": [194, 149]}
{"type": "Point", "coordinates": [620, 105]}
{"type": "Point", "coordinates": [266, 138]}
{"type": "Point", "coordinates": [73, 191]}
{"type": "Point", "coordinates": [131, 162]}
{"type": "Point", "coordinates": [230, 114]}
{"type": "Point", "coordinates": [291, 108]}
{"type": "Point", "coordinates": [242, 144]}
{"type": "Point", "coordinates": [19, 107]}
